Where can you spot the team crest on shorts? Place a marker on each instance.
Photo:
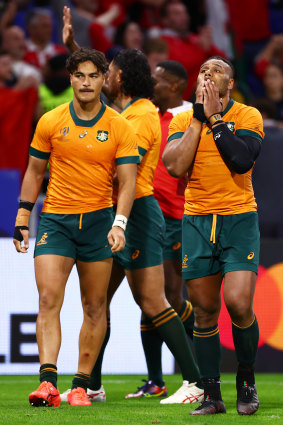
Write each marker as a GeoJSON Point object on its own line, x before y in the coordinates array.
{"type": "Point", "coordinates": [43, 240]}
{"type": "Point", "coordinates": [102, 136]}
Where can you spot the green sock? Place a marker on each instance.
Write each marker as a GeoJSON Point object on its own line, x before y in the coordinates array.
{"type": "Point", "coordinates": [208, 351]}
{"type": "Point", "coordinates": [48, 372]}
{"type": "Point", "coordinates": [152, 344]}
{"type": "Point", "coordinates": [95, 376]}
{"type": "Point", "coordinates": [187, 316]}
{"type": "Point", "coordinates": [246, 343]}
{"type": "Point", "coordinates": [80, 380]}
{"type": "Point", "coordinates": [172, 331]}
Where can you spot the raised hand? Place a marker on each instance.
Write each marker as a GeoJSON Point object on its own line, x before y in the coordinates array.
{"type": "Point", "coordinates": [212, 101]}
{"type": "Point", "coordinates": [68, 31]}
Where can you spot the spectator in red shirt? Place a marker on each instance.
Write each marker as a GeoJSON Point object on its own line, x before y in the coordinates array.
{"type": "Point", "coordinates": [39, 45]}
{"type": "Point", "coordinates": [191, 50]}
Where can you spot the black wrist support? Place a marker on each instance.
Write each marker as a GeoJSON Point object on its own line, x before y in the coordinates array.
{"type": "Point", "coordinates": [199, 112]}
{"type": "Point", "coordinates": [17, 234]}
{"type": "Point", "coordinates": [26, 205]}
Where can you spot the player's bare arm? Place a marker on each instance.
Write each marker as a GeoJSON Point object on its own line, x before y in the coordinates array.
{"type": "Point", "coordinates": [179, 154]}
{"type": "Point", "coordinates": [67, 31]}
{"type": "Point", "coordinates": [30, 189]}
{"type": "Point", "coordinates": [126, 175]}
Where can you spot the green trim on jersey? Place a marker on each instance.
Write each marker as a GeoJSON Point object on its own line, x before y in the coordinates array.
{"type": "Point", "coordinates": [142, 151]}
{"type": "Point", "coordinates": [174, 136]}
{"type": "Point", "coordinates": [243, 132]}
{"type": "Point", "coordinates": [39, 154]}
{"type": "Point", "coordinates": [86, 123]}
{"type": "Point", "coordinates": [128, 160]}
{"type": "Point", "coordinates": [228, 107]}
{"type": "Point", "coordinates": [131, 102]}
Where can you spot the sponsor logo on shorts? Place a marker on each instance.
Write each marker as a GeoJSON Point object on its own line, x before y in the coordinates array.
{"type": "Point", "coordinates": [251, 256]}
{"type": "Point", "coordinates": [185, 261]}
{"type": "Point", "coordinates": [102, 136]}
{"type": "Point", "coordinates": [42, 240]}
{"type": "Point", "coordinates": [135, 254]}
{"type": "Point", "coordinates": [83, 134]}
{"type": "Point", "coordinates": [176, 246]}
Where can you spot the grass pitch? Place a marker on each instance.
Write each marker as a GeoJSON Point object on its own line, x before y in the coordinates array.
{"type": "Point", "coordinates": [15, 409]}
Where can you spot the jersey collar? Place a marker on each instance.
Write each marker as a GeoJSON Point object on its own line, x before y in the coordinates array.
{"type": "Point", "coordinates": [131, 102]}
{"type": "Point", "coordinates": [86, 123]}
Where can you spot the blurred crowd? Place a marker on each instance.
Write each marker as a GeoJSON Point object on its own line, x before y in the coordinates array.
{"type": "Point", "coordinates": [33, 78]}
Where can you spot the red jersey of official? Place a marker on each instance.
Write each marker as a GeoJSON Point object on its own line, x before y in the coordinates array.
{"type": "Point", "coordinates": [168, 190]}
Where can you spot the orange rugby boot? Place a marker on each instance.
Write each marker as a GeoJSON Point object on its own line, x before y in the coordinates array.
{"type": "Point", "coordinates": [78, 397]}
{"type": "Point", "coordinates": [45, 395]}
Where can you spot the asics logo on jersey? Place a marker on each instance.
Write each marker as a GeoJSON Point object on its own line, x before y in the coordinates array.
{"type": "Point", "coordinates": [102, 136]}
{"type": "Point", "coordinates": [251, 256]}
{"type": "Point", "coordinates": [64, 131]}
{"type": "Point", "coordinates": [83, 134]}
{"type": "Point", "coordinates": [42, 240]}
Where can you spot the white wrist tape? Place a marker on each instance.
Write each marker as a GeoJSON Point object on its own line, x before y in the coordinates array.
{"type": "Point", "coordinates": [121, 221]}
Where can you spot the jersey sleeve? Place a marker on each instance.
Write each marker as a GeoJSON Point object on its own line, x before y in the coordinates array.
{"type": "Point", "coordinates": [143, 129]}
{"type": "Point", "coordinates": [41, 144]}
{"type": "Point", "coordinates": [249, 123]}
{"type": "Point", "coordinates": [127, 147]}
{"type": "Point", "coordinates": [179, 125]}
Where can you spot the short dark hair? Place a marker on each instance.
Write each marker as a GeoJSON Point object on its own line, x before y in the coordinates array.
{"type": "Point", "coordinates": [220, 58]}
{"type": "Point", "coordinates": [136, 74]}
{"type": "Point", "coordinates": [84, 55]}
{"type": "Point", "coordinates": [175, 68]}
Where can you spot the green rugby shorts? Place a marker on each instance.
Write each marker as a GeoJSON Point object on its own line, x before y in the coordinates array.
{"type": "Point", "coordinates": [172, 249]}
{"type": "Point", "coordinates": [79, 236]}
{"type": "Point", "coordinates": [225, 243]}
{"type": "Point", "coordinates": [144, 236]}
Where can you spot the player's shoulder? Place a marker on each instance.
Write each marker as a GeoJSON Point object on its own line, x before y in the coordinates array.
{"type": "Point", "coordinates": [55, 114]}
{"type": "Point", "coordinates": [245, 110]}
{"type": "Point", "coordinates": [183, 117]}
{"type": "Point", "coordinates": [143, 107]}
{"type": "Point", "coordinates": [114, 116]}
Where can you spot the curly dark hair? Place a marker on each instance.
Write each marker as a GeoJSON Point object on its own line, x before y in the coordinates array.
{"type": "Point", "coordinates": [84, 55]}
{"type": "Point", "coordinates": [136, 74]}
